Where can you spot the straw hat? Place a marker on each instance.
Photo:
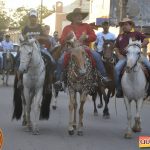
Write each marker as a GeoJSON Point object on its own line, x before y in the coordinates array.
{"type": "Point", "coordinates": [126, 20]}
{"type": "Point", "coordinates": [76, 11]}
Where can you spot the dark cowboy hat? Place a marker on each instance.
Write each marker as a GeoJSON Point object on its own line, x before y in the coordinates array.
{"type": "Point", "coordinates": [76, 11]}
{"type": "Point", "coordinates": [126, 20]}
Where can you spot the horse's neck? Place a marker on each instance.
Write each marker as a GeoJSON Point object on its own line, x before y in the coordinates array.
{"type": "Point", "coordinates": [37, 61]}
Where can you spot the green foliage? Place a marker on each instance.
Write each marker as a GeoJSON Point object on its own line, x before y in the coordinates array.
{"type": "Point", "coordinates": [20, 16]}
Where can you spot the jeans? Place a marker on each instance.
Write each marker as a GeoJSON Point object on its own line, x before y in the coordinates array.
{"type": "Point", "coordinates": [97, 58]}
{"type": "Point", "coordinates": [118, 68]}
{"type": "Point", "coordinates": [45, 52]}
{"type": "Point", "coordinates": [146, 62]}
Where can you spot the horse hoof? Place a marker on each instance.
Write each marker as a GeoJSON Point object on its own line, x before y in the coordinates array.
{"type": "Point", "coordinates": [71, 132]}
{"type": "Point", "coordinates": [54, 107]}
{"type": "Point", "coordinates": [24, 123]}
{"type": "Point", "coordinates": [36, 132]}
{"type": "Point", "coordinates": [80, 133]}
{"type": "Point", "coordinates": [106, 116]}
{"type": "Point", "coordinates": [100, 105]}
{"type": "Point", "coordinates": [128, 135]}
{"type": "Point", "coordinates": [136, 129]}
{"type": "Point", "coordinates": [95, 113]}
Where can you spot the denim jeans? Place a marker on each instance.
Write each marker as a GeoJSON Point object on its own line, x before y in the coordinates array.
{"type": "Point", "coordinates": [45, 52]}
{"type": "Point", "coordinates": [97, 58]}
{"type": "Point", "coordinates": [118, 68]}
{"type": "Point", "coordinates": [145, 61]}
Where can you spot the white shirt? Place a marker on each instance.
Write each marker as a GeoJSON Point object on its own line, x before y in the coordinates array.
{"type": "Point", "coordinates": [7, 46]}
{"type": "Point", "coordinates": [99, 39]}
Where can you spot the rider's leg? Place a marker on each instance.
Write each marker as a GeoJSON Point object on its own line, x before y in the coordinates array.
{"type": "Point", "coordinates": [118, 68]}
{"type": "Point", "coordinates": [100, 67]}
{"type": "Point", "coordinates": [146, 62]}
{"type": "Point", "coordinates": [49, 56]}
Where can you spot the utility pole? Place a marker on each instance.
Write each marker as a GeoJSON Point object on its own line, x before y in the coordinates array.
{"type": "Point", "coordinates": [41, 12]}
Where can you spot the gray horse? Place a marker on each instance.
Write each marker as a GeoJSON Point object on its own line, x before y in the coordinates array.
{"type": "Point", "coordinates": [134, 85]}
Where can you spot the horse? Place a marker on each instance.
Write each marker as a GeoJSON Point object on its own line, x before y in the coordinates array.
{"type": "Point", "coordinates": [109, 63]}
{"type": "Point", "coordinates": [8, 64]}
{"type": "Point", "coordinates": [82, 78]}
{"type": "Point", "coordinates": [134, 85]}
{"type": "Point", "coordinates": [35, 90]}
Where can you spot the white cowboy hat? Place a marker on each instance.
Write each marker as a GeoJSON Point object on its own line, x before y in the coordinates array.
{"type": "Point", "coordinates": [126, 20]}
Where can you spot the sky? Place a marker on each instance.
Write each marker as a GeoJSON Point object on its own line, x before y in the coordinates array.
{"type": "Point", "coordinates": [13, 4]}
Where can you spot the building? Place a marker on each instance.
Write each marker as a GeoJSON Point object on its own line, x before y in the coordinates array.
{"type": "Point", "coordinates": [57, 20]}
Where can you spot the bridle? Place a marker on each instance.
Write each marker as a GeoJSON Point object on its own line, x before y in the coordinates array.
{"type": "Point", "coordinates": [30, 60]}
{"type": "Point", "coordinates": [139, 54]}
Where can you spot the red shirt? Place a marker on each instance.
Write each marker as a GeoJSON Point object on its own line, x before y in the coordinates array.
{"type": "Point", "coordinates": [122, 40]}
{"type": "Point", "coordinates": [79, 29]}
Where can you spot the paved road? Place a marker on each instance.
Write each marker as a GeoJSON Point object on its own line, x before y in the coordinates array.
{"type": "Point", "coordinates": [99, 134]}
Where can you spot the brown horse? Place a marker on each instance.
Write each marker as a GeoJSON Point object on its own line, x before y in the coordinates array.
{"type": "Point", "coordinates": [109, 62]}
{"type": "Point", "coordinates": [81, 78]}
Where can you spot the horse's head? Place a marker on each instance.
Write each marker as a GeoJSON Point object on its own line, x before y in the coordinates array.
{"type": "Point", "coordinates": [78, 55]}
{"type": "Point", "coordinates": [27, 48]}
{"type": "Point", "coordinates": [133, 54]}
{"type": "Point", "coordinates": [108, 47]}
{"type": "Point", "coordinates": [72, 41]}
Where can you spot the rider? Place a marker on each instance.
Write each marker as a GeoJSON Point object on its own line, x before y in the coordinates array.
{"type": "Point", "coordinates": [105, 34]}
{"type": "Point", "coordinates": [84, 33]}
{"type": "Point", "coordinates": [122, 41]}
{"type": "Point", "coordinates": [7, 45]}
{"type": "Point", "coordinates": [34, 30]}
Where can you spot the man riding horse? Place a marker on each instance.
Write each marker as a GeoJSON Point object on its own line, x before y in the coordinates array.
{"type": "Point", "coordinates": [128, 31]}
{"type": "Point", "coordinates": [34, 30]}
{"type": "Point", "coordinates": [85, 34]}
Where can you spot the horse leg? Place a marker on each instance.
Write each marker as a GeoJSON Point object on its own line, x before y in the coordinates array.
{"type": "Point", "coordinates": [81, 111]}
{"type": "Point", "coordinates": [94, 102]}
{"type": "Point", "coordinates": [106, 114]}
{"type": "Point", "coordinates": [75, 113]}
{"type": "Point", "coordinates": [28, 108]}
{"type": "Point", "coordinates": [128, 133]}
{"type": "Point", "coordinates": [54, 98]}
{"type": "Point", "coordinates": [72, 95]}
{"type": "Point", "coordinates": [100, 105]}
{"type": "Point", "coordinates": [24, 122]}
{"type": "Point", "coordinates": [7, 76]}
{"type": "Point", "coordinates": [137, 125]}
{"type": "Point", "coordinates": [36, 108]}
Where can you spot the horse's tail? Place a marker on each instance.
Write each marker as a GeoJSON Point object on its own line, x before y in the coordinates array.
{"type": "Point", "coordinates": [47, 95]}
{"type": "Point", "coordinates": [17, 101]}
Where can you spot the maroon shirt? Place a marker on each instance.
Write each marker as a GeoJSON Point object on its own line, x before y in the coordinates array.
{"type": "Point", "coordinates": [122, 40]}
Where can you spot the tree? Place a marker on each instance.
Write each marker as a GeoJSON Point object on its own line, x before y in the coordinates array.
{"type": "Point", "coordinates": [4, 19]}
{"type": "Point", "coordinates": [20, 16]}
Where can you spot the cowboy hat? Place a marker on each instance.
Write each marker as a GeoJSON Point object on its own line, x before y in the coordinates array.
{"type": "Point", "coordinates": [126, 20]}
{"type": "Point", "coordinates": [75, 12]}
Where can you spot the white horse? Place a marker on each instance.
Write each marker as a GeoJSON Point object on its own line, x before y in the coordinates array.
{"type": "Point", "coordinates": [134, 85]}
{"type": "Point", "coordinates": [33, 69]}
